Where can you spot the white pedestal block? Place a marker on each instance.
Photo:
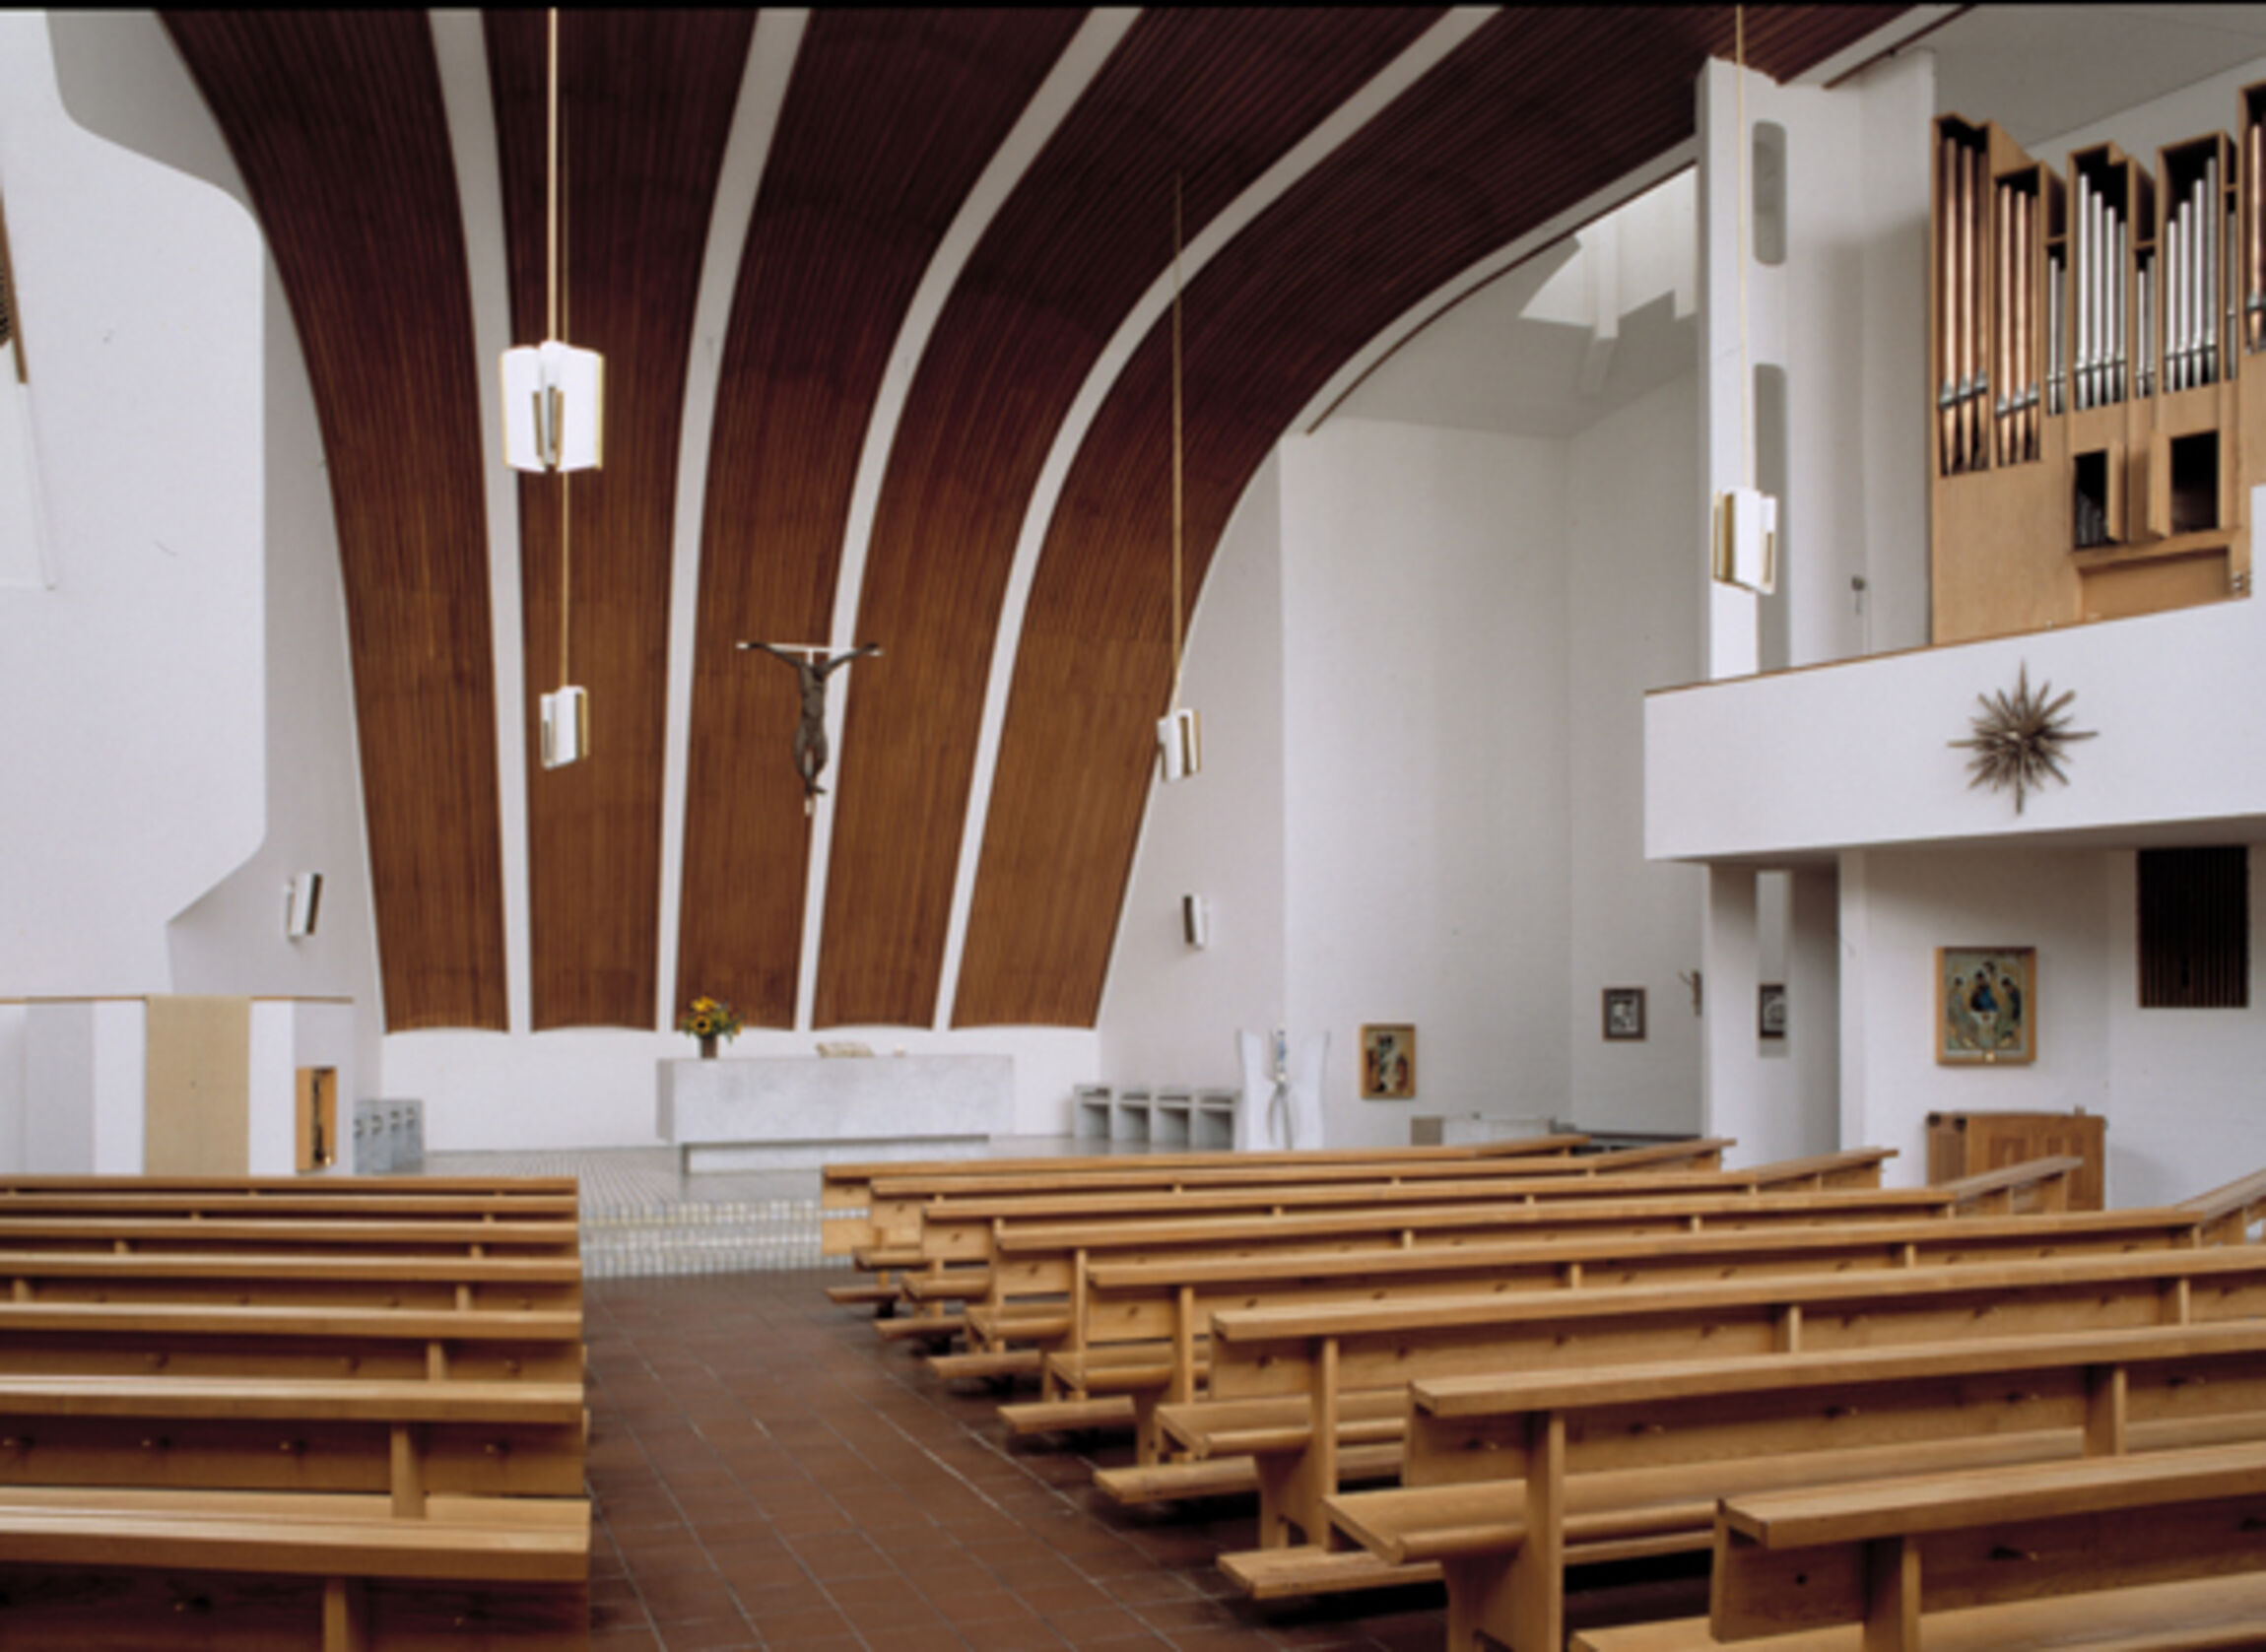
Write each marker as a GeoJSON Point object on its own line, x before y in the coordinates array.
{"type": "Point", "coordinates": [765, 1111]}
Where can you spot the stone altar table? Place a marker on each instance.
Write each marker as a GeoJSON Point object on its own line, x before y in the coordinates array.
{"type": "Point", "coordinates": [762, 1111]}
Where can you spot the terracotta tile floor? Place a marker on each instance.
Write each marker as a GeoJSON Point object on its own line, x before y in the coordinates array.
{"type": "Point", "coordinates": [768, 1474]}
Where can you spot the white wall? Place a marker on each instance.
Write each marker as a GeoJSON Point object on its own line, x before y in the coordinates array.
{"type": "Point", "coordinates": [1632, 615]}
{"type": "Point", "coordinates": [132, 751]}
{"type": "Point", "coordinates": [2183, 1085]}
{"type": "Point", "coordinates": [1424, 777]}
{"type": "Point", "coordinates": [120, 76]}
{"type": "Point", "coordinates": [1169, 1011]}
{"type": "Point", "coordinates": [1914, 902]}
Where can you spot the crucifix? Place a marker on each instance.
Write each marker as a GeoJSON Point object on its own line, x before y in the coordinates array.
{"type": "Point", "coordinates": [813, 664]}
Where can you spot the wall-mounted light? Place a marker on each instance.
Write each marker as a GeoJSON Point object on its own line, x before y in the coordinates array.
{"type": "Point", "coordinates": [302, 901]}
{"type": "Point", "coordinates": [566, 726]}
{"type": "Point", "coordinates": [1195, 920]}
{"type": "Point", "coordinates": [1180, 743]}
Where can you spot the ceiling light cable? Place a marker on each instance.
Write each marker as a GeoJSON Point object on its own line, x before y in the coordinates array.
{"type": "Point", "coordinates": [1177, 447]}
{"type": "Point", "coordinates": [555, 309]}
{"type": "Point", "coordinates": [1745, 244]}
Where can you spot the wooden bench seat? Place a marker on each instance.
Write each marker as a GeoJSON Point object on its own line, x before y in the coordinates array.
{"type": "Point", "coordinates": [1315, 1359]}
{"type": "Point", "coordinates": [278, 1278]}
{"type": "Point", "coordinates": [165, 1569]}
{"type": "Point", "coordinates": [845, 1188]}
{"type": "Point", "coordinates": [1512, 1478]}
{"type": "Point", "coordinates": [2213, 1615]}
{"type": "Point", "coordinates": [1883, 1554]}
{"type": "Point", "coordinates": [1164, 1305]}
{"type": "Point", "coordinates": [899, 1206]}
{"type": "Point", "coordinates": [408, 1440]}
{"type": "Point", "coordinates": [484, 1236]}
{"type": "Point", "coordinates": [962, 1230]}
{"type": "Point", "coordinates": [218, 1340]}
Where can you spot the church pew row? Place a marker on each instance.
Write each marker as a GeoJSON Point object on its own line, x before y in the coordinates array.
{"type": "Point", "coordinates": [1141, 1329]}
{"type": "Point", "coordinates": [898, 1204]}
{"type": "Point", "coordinates": [1291, 1388]}
{"type": "Point", "coordinates": [349, 1431]}
{"type": "Point", "coordinates": [278, 1278]}
{"type": "Point", "coordinates": [225, 1340]}
{"type": "Point", "coordinates": [888, 1230]}
{"type": "Point", "coordinates": [959, 1237]}
{"type": "Point", "coordinates": [1510, 1479]}
{"type": "Point", "coordinates": [958, 1229]}
{"type": "Point", "coordinates": [845, 1187]}
{"type": "Point", "coordinates": [1038, 1268]}
{"type": "Point", "coordinates": [122, 1235]}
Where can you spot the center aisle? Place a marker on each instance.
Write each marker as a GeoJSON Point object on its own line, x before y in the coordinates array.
{"type": "Point", "coordinates": [768, 1474]}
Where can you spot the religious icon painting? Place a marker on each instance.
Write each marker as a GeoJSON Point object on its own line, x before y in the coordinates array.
{"type": "Point", "coordinates": [1624, 1013]}
{"type": "Point", "coordinates": [1771, 1010]}
{"type": "Point", "coordinates": [1388, 1062]}
{"type": "Point", "coordinates": [1986, 1006]}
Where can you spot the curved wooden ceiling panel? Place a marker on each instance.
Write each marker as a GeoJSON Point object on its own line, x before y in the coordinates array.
{"type": "Point", "coordinates": [1539, 109]}
{"type": "Point", "coordinates": [1215, 95]}
{"type": "Point", "coordinates": [336, 122]}
{"type": "Point", "coordinates": [646, 100]}
{"type": "Point", "coordinates": [889, 120]}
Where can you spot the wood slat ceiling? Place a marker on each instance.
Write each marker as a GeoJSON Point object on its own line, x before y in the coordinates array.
{"type": "Point", "coordinates": [336, 122]}
{"type": "Point", "coordinates": [890, 119]}
{"type": "Point", "coordinates": [647, 100]}
{"type": "Point", "coordinates": [1537, 110]}
{"type": "Point", "coordinates": [1215, 94]}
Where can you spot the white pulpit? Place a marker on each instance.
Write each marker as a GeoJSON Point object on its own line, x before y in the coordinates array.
{"type": "Point", "coordinates": [758, 1112]}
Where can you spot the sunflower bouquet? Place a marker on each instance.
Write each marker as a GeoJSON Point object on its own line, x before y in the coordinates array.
{"type": "Point", "coordinates": [708, 1019]}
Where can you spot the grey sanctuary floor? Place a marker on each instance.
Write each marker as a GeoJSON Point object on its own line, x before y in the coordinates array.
{"type": "Point", "coordinates": [642, 1215]}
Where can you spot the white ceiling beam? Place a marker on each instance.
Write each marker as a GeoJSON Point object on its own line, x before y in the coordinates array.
{"type": "Point", "coordinates": [462, 50]}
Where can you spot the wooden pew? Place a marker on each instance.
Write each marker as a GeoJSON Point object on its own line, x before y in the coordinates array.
{"type": "Point", "coordinates": [896, 1204]}
{"type": "Point", "coordinates": [845, 1189]}
{"type": "Point", "coordinates": [960, 1229]}
{"type": "Point", "coordinates": [280, 1279]}
{"type": "Point", "coordinates": [346, 1418]}
{"type": "Point", "coordinates": [1139, 1328]}
{"type": "Point", "coordinates": [203, 1340]}
{"type": "Point", "coordinates": [1892, 1554]}
{"type": "Point", "coordinates": [1511, 1480]}
{"type": "Point", "coordinates": [1038, 1269]}
{"type": "Point", "coordinates": [559, 1236]}
{"type": "Point", "coordinates": [1292, 1388]}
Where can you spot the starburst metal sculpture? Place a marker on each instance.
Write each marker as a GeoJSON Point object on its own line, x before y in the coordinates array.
{"type": "Point", "coordinates": [2020, 739]}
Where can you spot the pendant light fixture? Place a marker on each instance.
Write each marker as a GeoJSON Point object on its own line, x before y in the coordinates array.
{"type": "Point", "coordinates": [1179, 732]}
{"type": "Point", "coordinates": [1746, 527]}
{"type": "Point", "coordinates": [553, 422]}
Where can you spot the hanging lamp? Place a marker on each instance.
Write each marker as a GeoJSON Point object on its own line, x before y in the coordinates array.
{"type": "Point", "coordinates": [554, 397]}
{"type": "Point", "coordinates": [1745, 539]}
{"type": "Point", "coordinates": [1179, 732]}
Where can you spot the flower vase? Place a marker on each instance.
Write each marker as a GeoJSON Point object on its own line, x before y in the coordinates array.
{"type": "Point", "coordinates": [708, 1047]}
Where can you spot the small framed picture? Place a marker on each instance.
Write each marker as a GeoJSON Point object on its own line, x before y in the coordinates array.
{"type": "Point", "coordinates": [1624, 1013]}
{"type": "Point", "coordinates": [1388, 1062]}
{"type": "Point", "coordinates": [1771, 1010]}
{"type": "Point", "coordinates": [1986, 1006]}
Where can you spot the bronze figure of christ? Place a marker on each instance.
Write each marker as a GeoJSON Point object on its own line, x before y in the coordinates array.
{"type": "Point", "coordinates": [813, 665]}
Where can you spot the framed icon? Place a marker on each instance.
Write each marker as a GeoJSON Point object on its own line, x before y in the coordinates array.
{"type": "Point", "coordinates": [1986, 1006]}
{"type": "Point", "coordinates": [1388, 1062]}
{"type": "Point", "coordinates": [1771, 1011]}
{"type": "Point", "coordinates": [1623, 1014]}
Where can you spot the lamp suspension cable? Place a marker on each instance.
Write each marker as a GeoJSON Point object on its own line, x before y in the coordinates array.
{"type": "Point", "coordinates": [554, 304]}
{"type": "Point", "coordinates": [1178, 488]}
{"type": "Point", "coordinates": [1745, 247]}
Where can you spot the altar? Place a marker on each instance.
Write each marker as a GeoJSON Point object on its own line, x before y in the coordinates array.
{"type": "Point", "coordinates": [760, 1112]}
